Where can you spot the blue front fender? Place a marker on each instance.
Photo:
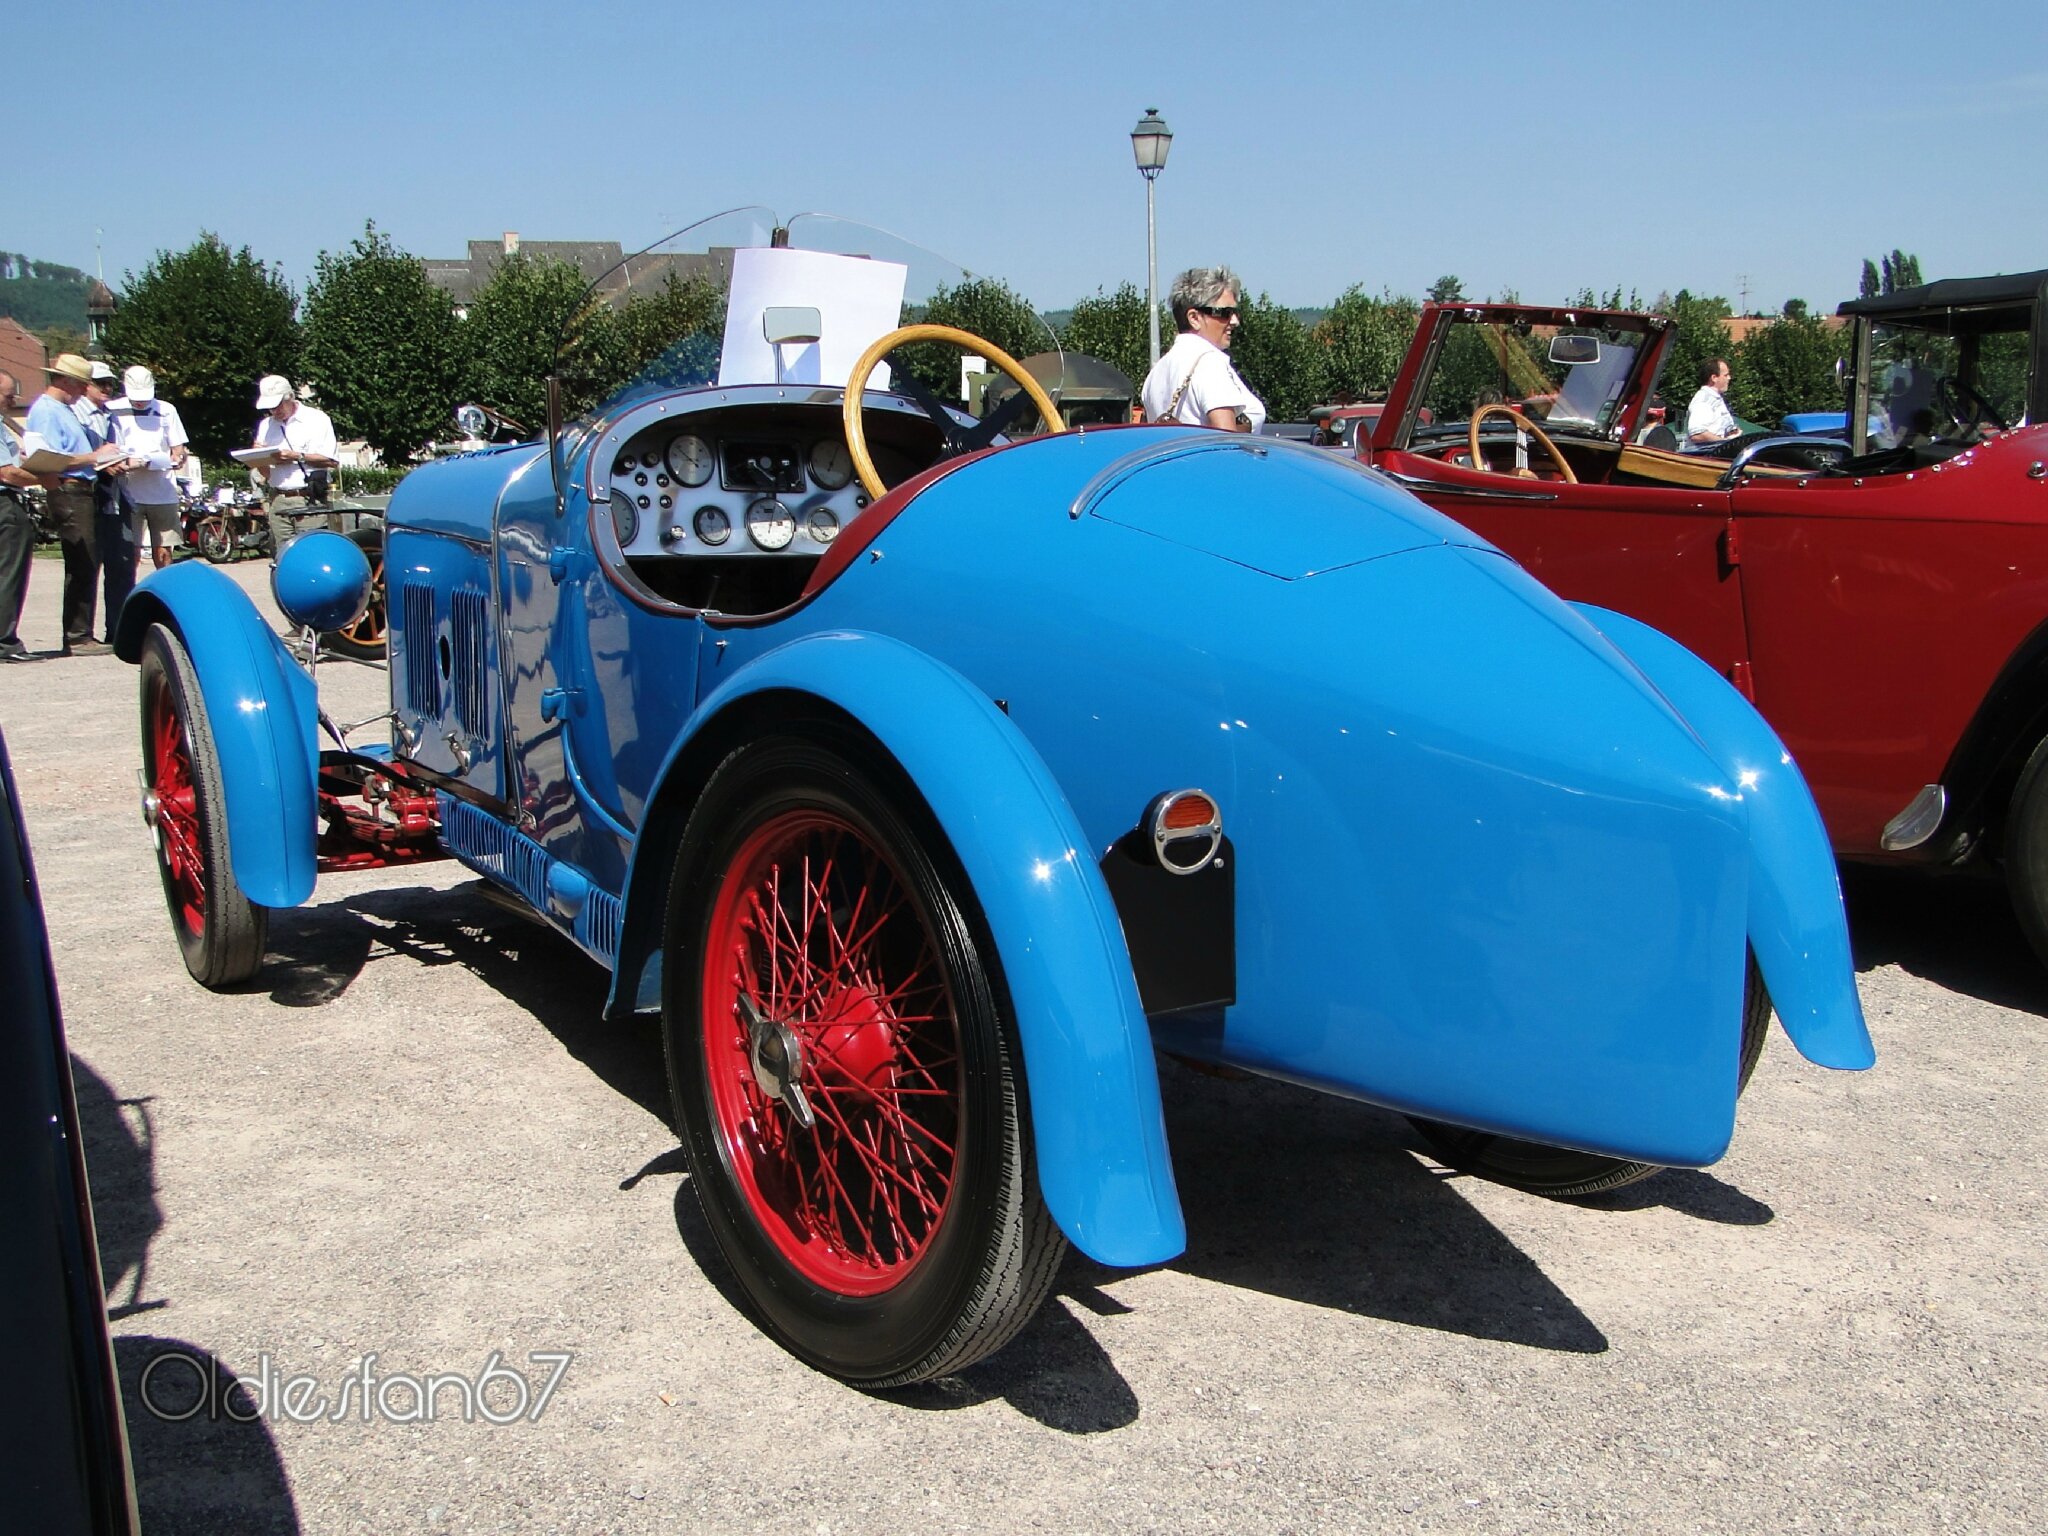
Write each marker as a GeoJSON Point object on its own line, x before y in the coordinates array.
{"type": "Point", "coordinates": [1093, 1089]}
{"type": "Point", "coordinates": [1796, 924]}
{"type": "Point", "coordinates": [265, 716]}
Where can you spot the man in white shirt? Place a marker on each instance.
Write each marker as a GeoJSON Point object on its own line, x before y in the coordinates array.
{"type": "Point", "coordinates": [1194, 381]}
{"type": "Point", "coordinates": [1708, 421]}
{"type": "Point", "coordinates": [153, 438]}
{"type": "Point", "coordinates": [304, 440]}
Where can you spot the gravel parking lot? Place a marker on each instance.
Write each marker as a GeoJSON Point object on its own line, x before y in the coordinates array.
{"type": "Point", "coordinates": [411, 1138]}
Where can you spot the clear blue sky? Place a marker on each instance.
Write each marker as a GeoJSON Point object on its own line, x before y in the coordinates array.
{"type": "Point", "coordinates": [1650, 146]}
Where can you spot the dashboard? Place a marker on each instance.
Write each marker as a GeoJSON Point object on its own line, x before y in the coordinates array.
{"type": "Point", "coordinates": [754, 482]}
{"type": "Point", "coordinates": [726, 504]}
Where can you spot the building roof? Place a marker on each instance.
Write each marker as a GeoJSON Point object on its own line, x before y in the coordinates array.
{"type": "Point", "coordinates": [22, 355]}
{"type": "Point", "coordinates": [599, 261]}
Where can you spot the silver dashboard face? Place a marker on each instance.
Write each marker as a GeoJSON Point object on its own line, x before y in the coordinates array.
{"type": "Point", "coordinates": [774, 490]}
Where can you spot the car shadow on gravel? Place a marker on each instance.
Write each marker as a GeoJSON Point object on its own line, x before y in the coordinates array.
{"type": "Point", "coordinates": [316, 952]}
{"type": "Point", "coordinates": [204, 1459]}
{"type": "Point", "coordinates": [198, 1467]}
{"type": "Point", "coordinates": [1288, 1192]}
{"type": "Point", "coordinates": [1320, 1200]}
{"type": "Point", "coordinates": [1957, 931]}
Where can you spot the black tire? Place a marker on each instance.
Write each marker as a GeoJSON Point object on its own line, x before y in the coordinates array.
{"type": "Point", "coordinates": [366, 639]}
{"type": "Point", "coordinates": [213, 540]}
{"type": "Point", "coordinates": [220, 931]}
{"type": "Point", "coordinates": [1564, 1174]}
{"type": "Point", "coordinates": [2026, 850]}
{"type": "Point", "coordinates": [908, 1065]}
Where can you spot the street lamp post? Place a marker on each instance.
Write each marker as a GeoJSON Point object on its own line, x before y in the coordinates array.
{"type": "Point", "coordinates": [1150, 141]}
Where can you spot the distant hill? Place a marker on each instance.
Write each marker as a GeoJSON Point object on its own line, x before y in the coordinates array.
{"type": "Point", "coordinates": [42, 294]}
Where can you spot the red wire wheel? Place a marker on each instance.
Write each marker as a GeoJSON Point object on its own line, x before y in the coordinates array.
{"type": "Point", "coordinates": [841, 1061]}
{"type": "Point", "coordinates": [833, 1053]}
{"type": "Point", "coordinates": [220, 931]}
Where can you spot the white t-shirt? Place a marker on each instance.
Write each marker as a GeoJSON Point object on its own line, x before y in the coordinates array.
{"type": "Point", "coordinates": [148, 432]}
{"type": "Point", "coordinates": [1212, 384]}
{"type": "Point", "coordinates": [308, 431]}
{"type": "Point", "coordinates": [1708, 413]}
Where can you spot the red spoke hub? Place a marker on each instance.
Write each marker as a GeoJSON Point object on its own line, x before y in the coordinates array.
{"type": "Point", "coordinates": [832, 1052]}
{"type": "Point", "coordinates": [175, 811]}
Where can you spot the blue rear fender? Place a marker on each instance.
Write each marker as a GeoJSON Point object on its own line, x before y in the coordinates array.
{"type": "Point", "coordinates": [1092, 1086]}
{"type": "Point", "coordinates": [1796, 924]}
{"type": "Point", "coordinates": [265, 717]}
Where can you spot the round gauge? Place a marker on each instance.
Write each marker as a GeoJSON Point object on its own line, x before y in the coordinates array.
{"type": "Point", "coordinates": [689, 459]}
{"type": "Point", "coordinates": [831, 463]}
{"type": "Point", "coordinates": [822, 524]}
{"type": "Point", "coordinates": [770, 524]}
{"type": "Point", "coordinates": [625, 519]}
{"type": "Point", "coordinates": [712, 525]}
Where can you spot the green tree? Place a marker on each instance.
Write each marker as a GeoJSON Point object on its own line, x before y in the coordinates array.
{"type": "Point", "coordinates": [1888, 274]}
{"type": "Point", "coordinates": [1273, 354]}
{"type": "Point", "coordinates": [209, 322]}
{"type": "Point", "coordinates": [1360, 342]}
{"type": "Point", "coordinates": [674, 332]}
{"type": "Point", "coordinates": [1614, 298]}
{"type": "Point", "coordinates": [381, 349]}
{"type": "Point", "coordinates": [530, 310]}
{"type": "Point", "coordinates": [1700, 331]}
{"type": "Point", "coordinates": [1901, 271]}
{"type": "Point", "coordinates": [1447, 290]}
{"type": "Point", "coordinates": [1112, 327]}
{"type": "Point", "coordinates": [981, 306]}
{"type": "Point", "coordinates": [1786, 366]}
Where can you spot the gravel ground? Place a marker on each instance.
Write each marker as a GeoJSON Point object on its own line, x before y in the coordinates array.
{"type": "Point", "coordinates": [412, 1137]}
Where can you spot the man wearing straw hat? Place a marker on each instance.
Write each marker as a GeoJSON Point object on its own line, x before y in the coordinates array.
{"type": "Point", "coordinates": [71, 503]}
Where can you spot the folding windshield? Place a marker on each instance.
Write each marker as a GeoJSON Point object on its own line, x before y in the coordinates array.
{"type": "Point", "coordinates": [743, 298]}
{"type": "Point", "coordinates": [1930, 385]}
{"type": "Point", "coordinates": [1573, 378]}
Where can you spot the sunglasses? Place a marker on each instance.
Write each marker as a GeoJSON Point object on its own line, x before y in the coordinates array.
{"type": "Point", "coordinates": [1224, 312]}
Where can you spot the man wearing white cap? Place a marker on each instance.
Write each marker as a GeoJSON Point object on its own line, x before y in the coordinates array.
{"type": "Point", "coordinates": [153, 438]}
{"type": "Point", "coordinates": [304, 440]}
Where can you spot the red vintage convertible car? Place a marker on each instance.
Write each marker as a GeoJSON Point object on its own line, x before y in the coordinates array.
{"type": "Point", "coordinates": [1884, 600]}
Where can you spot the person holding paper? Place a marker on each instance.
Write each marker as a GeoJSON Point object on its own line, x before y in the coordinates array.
{"type": "Point", "coordinates": [114, 536]}
{"type": "Point", "coordinates": [53, 420]}
{"type": "Point", "coordinates": [303, 438]}
{"type": "Point", "coordinates": [151, 435]}
{"type": "Point", "coordinates": [17, 528]}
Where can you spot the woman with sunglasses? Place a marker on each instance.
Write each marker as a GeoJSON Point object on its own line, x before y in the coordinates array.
{"type": "Point", "coordinates": [1194, 382]}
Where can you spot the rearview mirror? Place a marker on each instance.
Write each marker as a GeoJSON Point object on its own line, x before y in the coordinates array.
{"type": "Point", "coordinates": [791, 324]}
{"type": "Point", "coordinates": [1575, 349]}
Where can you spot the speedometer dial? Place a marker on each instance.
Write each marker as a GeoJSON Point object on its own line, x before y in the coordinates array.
{"type": "Point", "coordinates": [831, 464]}
{"type": "Point", "coordinates": [770, 524]}
{"type": "Point", "coordinates": [689, 459]}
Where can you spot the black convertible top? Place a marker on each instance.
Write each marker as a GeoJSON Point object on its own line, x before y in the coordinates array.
{"type": "Point", "coordinates": [2007, 291]}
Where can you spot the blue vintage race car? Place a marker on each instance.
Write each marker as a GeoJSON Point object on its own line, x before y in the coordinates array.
{"type": "Point", "coordinates": [926, 780]}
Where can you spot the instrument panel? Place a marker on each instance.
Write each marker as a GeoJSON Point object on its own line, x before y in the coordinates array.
{"type": "Point", "coordinates": [685, 487]}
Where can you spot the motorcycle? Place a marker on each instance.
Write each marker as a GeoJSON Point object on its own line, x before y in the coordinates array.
{"type": "Point", "coordinates": [231, 524]}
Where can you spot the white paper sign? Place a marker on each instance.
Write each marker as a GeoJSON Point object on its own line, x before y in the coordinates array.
{"type": "Point", "coordinates": [858, 302]}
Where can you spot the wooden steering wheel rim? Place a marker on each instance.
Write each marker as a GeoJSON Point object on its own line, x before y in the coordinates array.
{"type": "Point", "coordinates": [856, 383]}
{"type": "Point", "coordinates": [1526, 425]}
